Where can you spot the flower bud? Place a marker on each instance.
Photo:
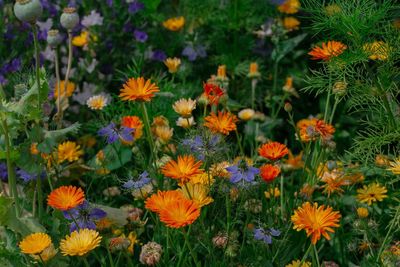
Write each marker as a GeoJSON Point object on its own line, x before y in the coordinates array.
{"type": "Point", "coordinates": [28, 10]}
{"type": "Point", "coordinates": [362, 212]}
{"type": "Point", "coordinates": [220, 240]}
{"type": "Point", "coordinates": [53, 38]}
{"type": "Point", "coordinates": [69, 18]}
{"type": "Point", "coordinates": [150, 254]}
{"type": "Point", "coordinates": [339, 88]}
{"type": "Point", "coordinates": [288, 107]}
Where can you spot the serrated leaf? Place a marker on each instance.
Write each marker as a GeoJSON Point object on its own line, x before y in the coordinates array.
{"type": "Point", "coordinates": [74, 128]}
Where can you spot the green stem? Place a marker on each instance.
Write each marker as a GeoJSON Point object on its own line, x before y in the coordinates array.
{"type": "Point", "coordinates": [316, 255]}
{"type": "Point", "coordinates": [239, 142]}
{"type": "Point", "coordinates": [66, 79]}
{"type": "Point", "coordinates": [306, 255]}
{"type": "Point", "coordinates": [37, 61]}
{"type": "Point", "coordinates": [110, 257]}
{"type": "Point", "coordinates": [389, 232]}
{"type": "Point", "coordinates": [190, 247]}
{"type": "Point", "coordinates": [57, 71]}
{"type": "Point", "coordinates": [40, 196]}
{"type": "Point", "coordinates": [10, 167]}
{"type": "Point", "coordinates": [85, 262]}
{"type": "Point", "coordinates": [282, 201]}
{"type": "Point", "coordinates": [253, 92]}
{"type": "Point", "coordinates": [334, 109]}
{"type": "Point", "coordinates": [149, 136]}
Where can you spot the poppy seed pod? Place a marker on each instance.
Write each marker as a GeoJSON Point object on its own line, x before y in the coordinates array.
{"type": "Point", "coordinates": [28, 10]}
{"type": "Point", "coordinates": [53, 38]}
{"type": "Point", "coordinates": [69, 18]}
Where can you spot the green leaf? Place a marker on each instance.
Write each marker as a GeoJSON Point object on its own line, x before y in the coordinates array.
{"type": "Point", "coordinates": [117, 216]}
{"type": "Point", "coordinates": [14, 155]}
{"type": "Point", "coordinates": [46, 146]}
{"type": "Point", "coordinates": [74, 128]}
{"type": "Point", "coordinates": [116, 156]}
{"type": "Point", "coordinates": [283, 48]}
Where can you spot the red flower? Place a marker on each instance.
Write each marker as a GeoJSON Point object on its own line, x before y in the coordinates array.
{"type": "Point", "coordinates": [213, 93]}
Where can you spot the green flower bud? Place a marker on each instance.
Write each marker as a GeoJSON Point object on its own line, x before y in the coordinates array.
{"type": "Point", "coordinates": [28, 10]}
{"type": "Point", "coordinates": [69, 18]}
{"type": "Point", "coordinates": [53, 38]}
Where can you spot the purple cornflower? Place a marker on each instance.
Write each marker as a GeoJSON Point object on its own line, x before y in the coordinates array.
{"type": "Point", "coordinates": [158, 55]}
{"type": "Point", "coordinates": [245, 173]}
{"type": "Point", "coordinates": [27, 177]}
{"type": "Point", "coordinates": [112, 133]}
{"type": "Point", "coordinates": [140, 36]}
{"type": "Point", "coordinates": [265, 235]}
{"type": "Point", "coordinates": [135, 7]}
{"type": "Point", "coordinates": [143, 180]}
{"type": "Point", "coordinates": [202, 148]}
{"type": "Point", "coordinates": [12, 66]}
{"type": "Point", "coordinates": [192, 53]}
{"type": "Point", "coordinates": [3, 172]}
{"type": "Point", "coordinates": [83, 216]}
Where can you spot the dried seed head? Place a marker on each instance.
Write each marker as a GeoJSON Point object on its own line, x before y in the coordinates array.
{"type": "Point", "coordinates": [28, 10]}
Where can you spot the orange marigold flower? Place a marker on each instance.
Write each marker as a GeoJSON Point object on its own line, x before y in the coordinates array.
{"type": "Point", "coordinates": [174, 24]}
{"type": "Point", "coordinates": [223, 123]}
{"type": "Point", "coordinates": [273, 150]}
{"type": "Point", "coordinates": [33, 149]}
{"type": "Point", "coordinates": [311, 129]}
{"type": "Point", "coordinates": [316, 221]}
{"type": "Point", "coordinates": [66, 197]}
{"type": "Point", "coordinates": [64, 91]}
{"type": "Point", "coordinates": [294, 162]}
{"type": "Point", "coordinates": [183, 169]}
{"type": "Point", "coordinates": [133, 122]}
{"type": "Point", "coordinates": [138, 89]}
{"type": "Point", "coordinates": [269, 172]}
{"type": "Point", "coordinates": [158, 202]}
{"type": "Point", "coordinates": [327, 51]}
{"type": "Point", "coordinates": [213, 93]}
{"type": "Point", "coordinates": [180, 213]}
{"type": "Point", "coordinates": [333, 185]}
{"type": "Point", "coordinates": [289, 6]}
{"type": "Point", "coordinates": [68, 151]}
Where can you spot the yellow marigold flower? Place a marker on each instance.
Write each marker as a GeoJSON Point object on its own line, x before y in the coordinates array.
{"type": "Point", "coordinates": [332, 9]}
{"type": "Point", "coordinates": [185, 122]}
{"type": "Point", "coordinates": [69, 151]}
{"type": "Point", "coordinates": [197, 192]}
{"type": "Point", "coordinates": [70, 89]}
{"type": "Point", "coordinates": [253, 71]}
{"type": "Point", "coordinates": [133, 239]}
{"type": "Point", "coordinates": [184, 107]}
{"type": "Point", "coordinates": [164, 133]}
{"type": "Point", "coordinates": [159, 121]}
{"type": "Point", "coordinates": [81, 40]}
{"type": "Point", "coordinates": [272, 192]}
{"type": "Point", "coordinates": [246, 114]}
{"type": "Point", "coordinates": [289, 7]}
{"type": "Point", "coordinates": [328, 50]}
{"type": "Point", "coordinates": [172, 64]}
{"type": "Point", "coordinates": [377, 50]}
{"type": "Point", "coordinates": [97, 102]}
{"type": "Point", "coordinates": [33, 149]}
{"type": "Point", "coordinates": [316, 221]}
{"type": "Point", "coordinates": [174, 24]}
{"type": "Point", "coordinates": [223, 123]}
{"type": "Point", "coordinates": [35, 243]}
{"type": "Point", "coordinates": [221, 73]}
{"type": "Point", "coordinates": [362, 212]}
{"type": "Point", "coordinates": [395, 166]}
{"type": "Point", "coordinates": [78, 243]}
{"type": "Point", "coordinates": [291, 23]}
{"type": "Point", "coordinates": [138, 89]}
{"type": "Point", "coordinates": [371, 193]}
{"type": "Point", "coordinates": [296, 263]}
{"type": "Point", "coordinates": [219, 169]}
{"type": "Point", "coordinates": [203, 178]}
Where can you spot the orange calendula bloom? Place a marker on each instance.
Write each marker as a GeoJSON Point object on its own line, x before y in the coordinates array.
{"type": "Point", "coordinates": [273, 150]}
{"type": "Point", "coordinates": [68, 151]}
{"type": "Point", "coordinates": [294, 162]}
{"type": "Point", "coordinates": [290, 23]}
{"type": "Point", "coordinates": [35, 243]}
{"type": "Point", "coordinates": [213, 93]}
{"type": "Point", "coordinates": [158, 202]}
{"type": "Point", "coordinates": [64, 91]}
{"type": "Point", "coordinates": [289, 7]}
{"type": "Point", "coordinates": [223, 123]}
{"type": "Point", "coordinates": [327, 51]}
{"type": "Point", "coordinates": [66, 197]}
{"type": "Point", "coordinates": [316, 221]}
{"type": "Point", "coordinates": [333, 185]}
{"type": "Point", "coordinates": [180, 213]}
{"type": "Point", "coordinates": [269, 172]}
{"type": "Point", "coordinates": [138, 89]}
{"type": "Point", "coordinates": [33, 149]}
{"type": "Point", "coordinates": [172, 64]}
{"type": "Point", "coordinates": [183, 169]}
{"type": "Point", "coordinates": [174, 24]}
{"type": "Point", "coordinates": [133, 122]}
{"type": "Point", "coordinates": [253, 71]}
{"type": "Point", "coordinates": [311, 129]}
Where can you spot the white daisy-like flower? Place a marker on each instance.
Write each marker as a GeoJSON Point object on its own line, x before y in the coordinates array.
{"type": "Point", "coordinates": [97, 102]}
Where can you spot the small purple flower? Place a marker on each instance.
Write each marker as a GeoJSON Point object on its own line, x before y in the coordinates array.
{"type": "Point", "coordinates": [84, 216]}
{"type": "Point", "coordinates": [109, 3]}
{"type": "Point", "coordinates": [92, 19]}
{"type": "Point", "coordinates": [3, 172]}
{"type": "Point", "coordinates": [265, 235]}
{"type": "Point", "coordinates": [158, 55]}
{"type": "Point", "coordinates": [3, 80]}
{"type": "Point", "coordinates": [202, 148]}
{"type": "Point", "coordinates": [192, 53]}
{"type": "Point", "coordinates": [128, 27]}
{"type": "Point", "coordinates": [244, 174]}
{"type": "Point", "coordinates": [140, 36]}
{"type": "Point", "coordinates": [143, 180]}
{"type": "Point", "coordinates": [135, 7]}
{"type": "Point", "coordinates": [112, 133]}
{"type": "Point", "coordinates": [27, 177]}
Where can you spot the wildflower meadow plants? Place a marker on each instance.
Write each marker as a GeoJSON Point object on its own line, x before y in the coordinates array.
{"type": "Point", "coordinates": [199, 133]}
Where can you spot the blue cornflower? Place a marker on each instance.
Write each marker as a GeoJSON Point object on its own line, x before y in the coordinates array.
{"type": "Point", "coordinates": [244, 174]}
{"type": "Point", "coordinates": [112, 133]}
{"type": "Point", "coordinates": [158, 55]}
{"type": "Point", "coordinates": [135, 7]}
{"type": "Point", "coordinates": [27, 177]}
{"type": "Point", "coordinates": [3, 172]}
{"type": "Point", "coordinates": [83, 216]}
{"type": "Point", "coordinates": [143, 180]}
{"type": "Point", "coordinates": [265, 235]}
{"type": "Point", "coordinates": [192, 53]}
{"type": "Point", "coordinates": [200, 147]}
{"type": "Point", "coordinates": [140, 36]}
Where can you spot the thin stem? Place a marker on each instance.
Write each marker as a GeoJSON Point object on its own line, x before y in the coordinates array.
{"type": "Point", "coordinates": [66, 79]}
{"type": "Point", "coordinates": [282, 201]}
{"type": "Point", "coordinates": [306, 255]}
{"type": "Point", "coordinates": [253, 92]}
{"type": "Point", "coordinates": [37, 60]}
{"type": "Point", "coordinates": [239, 142]}
{"type": "Point", "coordinates": [148, 134]}
{"type": "Point", "coordinates": [389, 232]}
{"type": "Point", "coordinates": [10, 167]}
{"type": "Point", "coordinates": [57, 71]}
{"type": "Point", "coordinates": [85, 262]}
{"type": "Point", "coordinates": [316, 255]}
{"type": "Point", "coordinates": [110, 257]}
{"type": "Point", "coordinates": [190, 247]}
{"type": "Point", "coordinates": [337, 100]}
{"type": "Point", "coordinates": [40, 195]}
